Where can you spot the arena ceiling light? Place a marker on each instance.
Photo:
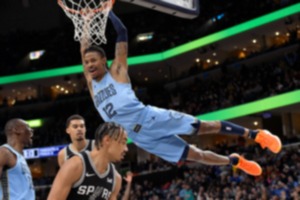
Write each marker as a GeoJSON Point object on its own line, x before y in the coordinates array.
{"type": "Point", "coordinates": [156, 57]}
{"type": "Point", "coordinates": [144, 37]}
{"type": "Point", "coordinates": [35, 123]}
{"type": "Point", "coordinates": [35, 55]}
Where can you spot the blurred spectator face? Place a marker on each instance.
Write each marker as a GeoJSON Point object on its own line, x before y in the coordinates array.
{"type": "Point", "coordinates": [201, 189]}
{"type": "Point", "coordinates": [273, 176]}
{"type": "Point", "coordinates": [251, 196]}
{"type": "Point", "coordinates": [283, 195]}
{"type": "Point", "coordinates": [290, 179]}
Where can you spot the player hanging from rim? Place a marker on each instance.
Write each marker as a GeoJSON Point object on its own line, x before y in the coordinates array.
{"type": "Point", "coordinates": [76, 129]}
{"type": "Point", "coordinates": [91, 174]}
{"type": "Point", "coordinates": [154, 129]}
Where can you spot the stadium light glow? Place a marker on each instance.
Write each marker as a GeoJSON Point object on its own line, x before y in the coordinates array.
{"type": "Point", "coordinates": [262, 105]}
{"type": "Point", "coordinates": [35, 123]}
{"type": "Point", "coordinates": [35, 55]}
{"type": "Point", "coordinates": [156, 57]}
{"type": "Point", "coordinates": [144, 37]}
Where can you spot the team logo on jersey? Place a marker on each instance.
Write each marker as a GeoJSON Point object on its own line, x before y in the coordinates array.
{"type": "Point", "coordinates": [104, 94]}
{"type": "Point", "coordinates": [137, 128]}
{"type": "Point", "coordinates": [89, 175]}
{"type": "Point", "coordinates": [94, 192]}
{"type": "Point", "coordinates": [109, 180]}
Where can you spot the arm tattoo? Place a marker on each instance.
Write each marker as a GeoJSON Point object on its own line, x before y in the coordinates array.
{"type": "Point", "coordinates": [119, 67]}
{"type": "Point", "coordinates": [121, 50]}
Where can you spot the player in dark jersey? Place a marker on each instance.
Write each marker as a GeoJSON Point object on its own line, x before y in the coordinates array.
{"type": "Point", "coordinates": [75, 128]}
{"type": "Point", "coordinates": [91, 175]}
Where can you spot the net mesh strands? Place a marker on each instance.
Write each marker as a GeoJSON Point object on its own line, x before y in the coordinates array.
{"type": "Point", "coordinates": [90, 15]}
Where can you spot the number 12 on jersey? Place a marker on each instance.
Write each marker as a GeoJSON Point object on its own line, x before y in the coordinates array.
{"type": "Point", "coordinates": [109, 110]}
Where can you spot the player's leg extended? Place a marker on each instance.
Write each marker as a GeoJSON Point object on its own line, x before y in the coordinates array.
{"type": "Point", "coordinates": [263, 137]}
{"type": "Point", "coordinates": [211, 158]}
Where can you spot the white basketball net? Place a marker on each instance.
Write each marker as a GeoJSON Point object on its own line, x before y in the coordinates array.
{"type": "Point", "coordinates": [89, 18]}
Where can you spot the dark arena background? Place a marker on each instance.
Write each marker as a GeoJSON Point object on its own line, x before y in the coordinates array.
{"type": "Point", "coordinates": [234, 60]}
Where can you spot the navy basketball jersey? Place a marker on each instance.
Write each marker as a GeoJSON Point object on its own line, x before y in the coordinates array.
{"type": "Point", "coordinates": [116, 102]}
{"type": "Point", "coordinates": [69, 152]}
{"type": "Point", "coordinates": [92, 185]}
{"type": "Point", "coordinates": [16, 182]}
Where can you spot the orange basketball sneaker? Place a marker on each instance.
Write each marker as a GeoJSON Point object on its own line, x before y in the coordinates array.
{"type": "Point", "coordinates": [268, 140]}
{"type": "Point", "coordinates": [248, 166]}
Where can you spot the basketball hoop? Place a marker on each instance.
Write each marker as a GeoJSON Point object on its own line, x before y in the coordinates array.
{"type": "Point", "coordinates": [90, 15]}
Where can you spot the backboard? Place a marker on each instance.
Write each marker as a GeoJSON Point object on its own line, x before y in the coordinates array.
{"type": "Point", "coordinates": [180, 8]}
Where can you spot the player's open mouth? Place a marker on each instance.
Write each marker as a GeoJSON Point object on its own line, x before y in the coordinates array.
{"type": "Point", "coordinates": [92, 70]}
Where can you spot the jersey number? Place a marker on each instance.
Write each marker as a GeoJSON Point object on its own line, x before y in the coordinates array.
{"type": "Point", "coordinates": [109, 110]}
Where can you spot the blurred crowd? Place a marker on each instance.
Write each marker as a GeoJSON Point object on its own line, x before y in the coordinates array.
{"type": "Point", "coordinates": [235, 87]}
{"type": "Point", "coordinates": [280, 179]}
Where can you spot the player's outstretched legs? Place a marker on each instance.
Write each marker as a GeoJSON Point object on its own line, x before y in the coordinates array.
{"type": "Point", "coordinates": [211, 158]}
{"type": "Point", "coordinates": [262, 137]}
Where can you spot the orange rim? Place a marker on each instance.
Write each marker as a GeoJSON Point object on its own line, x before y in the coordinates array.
{"type": "Point", "coordinates": [70, 10]}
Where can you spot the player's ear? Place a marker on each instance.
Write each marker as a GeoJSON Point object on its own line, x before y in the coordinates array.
{"type": "Point", "coordinates": [67, 131]}
{"type": "Point", "coordinates": [17, 130]}
{"type": "Point", "coordinates": [106, 140]}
